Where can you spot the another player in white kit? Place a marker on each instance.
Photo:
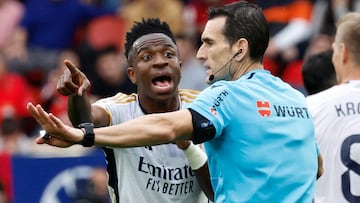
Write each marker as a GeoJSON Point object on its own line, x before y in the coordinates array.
{"type": "Point", "coordinates": [160, 173]}
{"type": "Point", "coordinates": [336, 113]}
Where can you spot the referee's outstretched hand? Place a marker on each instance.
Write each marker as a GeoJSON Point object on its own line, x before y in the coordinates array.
{"type": "Point", "coordinates": [72, 81]}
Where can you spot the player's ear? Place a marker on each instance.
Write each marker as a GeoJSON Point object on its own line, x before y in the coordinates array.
{"type": "Point", "coordinates": [131, 74]}
{"type": "Point", "coordinates": [180, 64]}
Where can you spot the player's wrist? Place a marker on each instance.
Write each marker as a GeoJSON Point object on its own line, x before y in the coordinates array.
{"type": "Point", "coordinates": [88, 134]}
{"type": "Point", "coordinates": [196, 157]}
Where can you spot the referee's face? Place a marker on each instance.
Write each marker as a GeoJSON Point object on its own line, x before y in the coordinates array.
{"type": "Point", "coordinates": [215, 51]}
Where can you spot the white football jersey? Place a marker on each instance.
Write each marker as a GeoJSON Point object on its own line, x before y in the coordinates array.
{"type": "Point", "coordinates": [159, 173]}
{"type": "Point", "coordinates": [336, 113]}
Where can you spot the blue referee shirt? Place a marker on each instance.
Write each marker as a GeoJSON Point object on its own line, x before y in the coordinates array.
{"type": "Point", "coordinates": [264, 149]}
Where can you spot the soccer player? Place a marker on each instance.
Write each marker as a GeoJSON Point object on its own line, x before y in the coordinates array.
{"type": "Point", "coordinates": [257, 132]}
{"type": "Point", "coordinates": [159, 173]}
{"type": "Point", "coordinates": [336, 114]}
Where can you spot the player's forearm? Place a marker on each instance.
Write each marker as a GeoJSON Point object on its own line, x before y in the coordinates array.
{"type": "Point", "coordinates": [79, 109]}
{"type": "Point", "coordinates": [152, 129]}
{"type": "Point", "coordinates": [198, 162]}
{"type": "Point", "coordinates": [203, 177]}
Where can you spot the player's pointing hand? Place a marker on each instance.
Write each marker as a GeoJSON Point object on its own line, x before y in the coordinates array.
{"type": "Point", "coordinates": [72, 81]}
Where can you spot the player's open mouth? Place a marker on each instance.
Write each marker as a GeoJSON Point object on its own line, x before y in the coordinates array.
{"type": "Point", "coordinates": [162, 81]}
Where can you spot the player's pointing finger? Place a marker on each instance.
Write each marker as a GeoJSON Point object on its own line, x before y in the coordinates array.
{"type": "Point", "coordinates": [73, 69]}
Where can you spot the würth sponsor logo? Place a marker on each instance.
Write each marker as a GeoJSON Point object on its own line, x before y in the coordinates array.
{"type": "Point", "coordinates": [218, 101]}
{"type": "Point", "coordinates": [263, 108]}
{"type": "Point", "coordinates": [291, 111]}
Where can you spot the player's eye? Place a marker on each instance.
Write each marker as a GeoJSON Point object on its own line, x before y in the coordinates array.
{"type": "Point", "coordinates": [169, 54]}
{"type": "Point", "coordinates": [147, 57]}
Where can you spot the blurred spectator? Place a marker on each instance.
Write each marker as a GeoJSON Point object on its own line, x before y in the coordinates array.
{"type": "Point", "coordinates": [111, 75]}
{"type": "Point", "coordinates": [325, 14]}
{"type": "Point", "coordinates": [195, 13]}
{"type": "Point", "coordinates": [100, 33]}
{"type": "Point", "coordinates": [99, 180]}
{"type": "Point", "coordinates": [94, 189]}
{"type": "Point", "coordinates": [170, 11]}
{"type": "Point", "coordinates": [51, 99]}
{"type": "Point", "coordinates": [6, 181]}
{"type": "Point", "coordinates": [11, 12]}
{"type": "Point", "coordinates": [12, 138]}
{"type": "Point", "coordinates": [341, 7]}
{"type": "Point", "coordinates": [290, 25]}
{"type": "Point", "coordinates": [2, 193]}
{"type": "Point", "coordinates": [105, 31]}
{"type": "Point", "coordinates": [290, 31]}
{"type": "Point", "coordinates": [323, 19]}
{"type": "Point", "coordinates": [47, 28]}
{"type": "Point", "coordinates": [318, 72]}
{"type": "Point", "coordinates": [15, 94]}
{"type": "Point", "coordinates": [195, 16]}
{"type": "Point", "coordinates": [318, 44]}
{"type": "Point", "coordinates": [192, 70]}
{"type": "Point", "coordinates": [109, 4]}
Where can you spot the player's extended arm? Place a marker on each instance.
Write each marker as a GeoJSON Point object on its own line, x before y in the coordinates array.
{"type": "Point", "coordinates": [151, 129]}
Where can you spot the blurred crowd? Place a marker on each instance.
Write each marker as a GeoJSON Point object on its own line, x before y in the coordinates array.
{"type": "Point", "coordinates": [36, 36]}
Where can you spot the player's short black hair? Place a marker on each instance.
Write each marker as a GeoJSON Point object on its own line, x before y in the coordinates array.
{"type": "Point", "coordinates": [318, 72]}
{"type": "Point", "coordinates": [146, 26]}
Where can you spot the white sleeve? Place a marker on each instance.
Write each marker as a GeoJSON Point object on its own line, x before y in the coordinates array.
{"type": "Point", "coordinates": [296, 31]}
